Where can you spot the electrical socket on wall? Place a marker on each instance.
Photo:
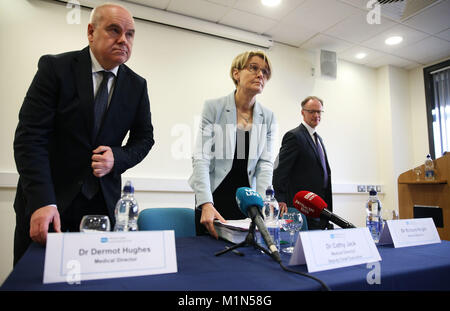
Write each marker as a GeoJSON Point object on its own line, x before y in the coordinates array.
{"type": "Point", "coordinates": [371, 187]}
{"type": "Point", "coordinates": [367, 188]}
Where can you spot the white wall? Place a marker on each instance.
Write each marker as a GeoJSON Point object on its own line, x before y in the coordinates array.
{"type": "Point", "coordinates": [364, 107]}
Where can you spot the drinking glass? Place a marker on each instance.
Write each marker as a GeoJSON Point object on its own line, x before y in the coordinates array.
{"type": "Point", "coordinates": [418, 171]}
{"type": "Point", "coordinates": [291, 222]}
{"type": "Point", "coordinates": [95, 223]}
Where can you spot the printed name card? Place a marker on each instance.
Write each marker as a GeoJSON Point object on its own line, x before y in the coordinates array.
{"type": "Point", "coordinates": [75, 257]}
{"type": "Point", "coordinates": [331, 249]}
{"type": "Point", "coordinates": [409, 232]}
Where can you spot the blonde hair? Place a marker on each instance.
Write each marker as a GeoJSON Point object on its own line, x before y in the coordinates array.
{"type": "Point", "coordinates": [242, 59]}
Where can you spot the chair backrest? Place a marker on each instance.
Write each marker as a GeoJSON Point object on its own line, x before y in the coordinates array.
{"type": "Point", "coordinates": [305, 222]}
{"type": "Point", "coordinates": [181, 220]}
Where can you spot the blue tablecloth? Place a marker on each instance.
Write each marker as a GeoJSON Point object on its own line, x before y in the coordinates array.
{"type": "Point", "coordinates": [412, 268]}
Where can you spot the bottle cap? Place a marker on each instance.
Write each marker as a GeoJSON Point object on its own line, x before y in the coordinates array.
{"type": "Point", "coordinates": [373, 192]}
{"type": "Point", "coordinates": [128, 187]}
{"type": "Point", "coordinates": [269, 190]}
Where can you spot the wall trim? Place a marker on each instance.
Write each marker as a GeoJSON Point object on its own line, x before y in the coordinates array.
{"type": "Point", "coordinates": [9, 180]}
{"type": "Point", "coordinates": [152, 184]}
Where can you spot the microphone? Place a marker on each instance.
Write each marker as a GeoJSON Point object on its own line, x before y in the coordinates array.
{"type": "Point", "coordinates": [250, 203]}
{"type": "Point", "coordinates": [310, 204]}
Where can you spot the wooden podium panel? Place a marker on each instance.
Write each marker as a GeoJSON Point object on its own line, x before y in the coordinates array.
{"type": "Point", "coordinates": [428, 193]}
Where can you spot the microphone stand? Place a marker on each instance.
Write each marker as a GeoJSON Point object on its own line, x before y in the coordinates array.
{"type": "Point", "coordinates": [249, 241]}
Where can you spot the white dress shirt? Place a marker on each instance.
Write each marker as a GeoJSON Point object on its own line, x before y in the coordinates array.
{"type": "Point", "coordinates": [98, 77]}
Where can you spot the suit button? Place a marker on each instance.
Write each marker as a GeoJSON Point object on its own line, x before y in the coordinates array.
{"type": "Point", "coordinates": [249, 173]}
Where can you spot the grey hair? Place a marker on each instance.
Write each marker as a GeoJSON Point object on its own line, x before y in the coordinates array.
{"type": "Point", "coordinates": [95, 17]}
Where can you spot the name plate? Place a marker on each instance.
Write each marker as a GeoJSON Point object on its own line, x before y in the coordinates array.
{"type": "Point", "coordinates": [75, 257]}
{"type": "Point", "coordinates": [332, 249]}
{"type": "Point", "coordinates": [409, 232]}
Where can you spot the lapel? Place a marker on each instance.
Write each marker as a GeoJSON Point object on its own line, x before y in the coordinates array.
{"type": "Point", "coordinates": [258, 135]}
{"type": "Point", "coordinates": [258, 116]}
{"type": "Point", "coordinates": [312, 144]}
{"type": "Point", "coordinates": [231, 119]}
{"type": "Point", "coordinates": [83, 78]}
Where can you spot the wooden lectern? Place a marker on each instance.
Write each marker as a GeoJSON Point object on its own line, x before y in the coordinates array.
{"type": "Point", "coordinates": [420, 192]}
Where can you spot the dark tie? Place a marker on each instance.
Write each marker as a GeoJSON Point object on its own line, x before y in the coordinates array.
{"type": "Point", "coordinates": [100, 103]}
{"type": "Point", "coordinates": [322, 160]}
{"type": "Point", "coordinates": [91, 185]}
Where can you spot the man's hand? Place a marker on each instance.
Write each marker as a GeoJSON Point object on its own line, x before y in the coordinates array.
{"type": "Point", "coordinates": [40, 221]}
{"type": "Point", "coordinates": [102, 161]}
{"type": "Point", "coordinates": [209, 214]}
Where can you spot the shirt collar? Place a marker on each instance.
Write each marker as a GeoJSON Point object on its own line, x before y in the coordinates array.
{"type": "Point", "coordinates": [311, 130]}
{"type": "Point", "coordinates": [96, 67]}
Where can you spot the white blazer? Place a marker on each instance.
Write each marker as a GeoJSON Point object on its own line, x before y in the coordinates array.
{"type": "Point", "coordinates": [216, 142]}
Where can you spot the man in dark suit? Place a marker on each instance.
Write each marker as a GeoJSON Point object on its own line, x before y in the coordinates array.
{"type": "Point", "coordinates": [303, 163]}
{"type": "Point", "coordinates": [68, 142]}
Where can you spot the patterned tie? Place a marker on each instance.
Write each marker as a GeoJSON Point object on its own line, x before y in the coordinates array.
{"type": "Point", "coordinates": [322, 160]}
{"type": "Point", "coordinates": [91, 183]}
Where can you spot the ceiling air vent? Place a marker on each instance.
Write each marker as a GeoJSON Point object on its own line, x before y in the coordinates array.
{"type": "Point", "coordinates": [401, 10]}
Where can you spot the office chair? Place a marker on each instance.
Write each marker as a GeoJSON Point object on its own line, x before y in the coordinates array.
{"type": "Point", "coordinates": [181, 220]}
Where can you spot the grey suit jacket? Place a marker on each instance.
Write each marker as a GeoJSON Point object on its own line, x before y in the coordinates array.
{"type": "Point", "coordinates": [216, 143]}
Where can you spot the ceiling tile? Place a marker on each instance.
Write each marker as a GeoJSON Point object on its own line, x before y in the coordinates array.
{"type": "Point", "coordinates": [228, 3]}
{"type": "Point", "coordinates": [337, 25]}
{"type": "Point", "coordinates": [198, 8]}
{"type": "Point", "coordinates": [356, 28]}
{"type": "Point", "coordinates": [319, 14]}
{"type": "Point", "coordinates": [425, 51]}
{"type": "Point", "coordinates": [433, 20]}
{"type": "Point", "coordinates": [392, 60]}
{"type": "Point", "coordinates": [244, 20]}
{"type": "Point", "coordinates": [289, 34]}
{"type": "Point", "coordinates": [277, 13]}
{"type": "Point", "coordinates": [409, 35]}
{"type": "Point", "coordinates": [350, 53]}
{"type": "Point", "coordinates": [362, 4]}
{"type": "Point", "coordinates": [158, 4]}
{"type": "Point", "coordinates": [444, 35]}
{"type": "Point", "coordinates": [325, 42]}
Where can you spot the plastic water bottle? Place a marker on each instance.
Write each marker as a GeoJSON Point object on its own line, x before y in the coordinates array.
{"type": "Point", "coordinates": [271, 211]}
{"type": "Point", "coordinates": [429, 168]}
{"type": "Point", "coordinates": [127, 210]}
{"type": "Point", "coordinates": [374, 221]}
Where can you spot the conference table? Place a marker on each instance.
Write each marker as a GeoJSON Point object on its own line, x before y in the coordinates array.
{"type": "Point", "coordinates": [425, 267]}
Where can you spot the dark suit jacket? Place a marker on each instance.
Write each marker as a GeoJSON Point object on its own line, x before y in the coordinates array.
{"type": "Point", "coordinates": [52, 145]}
{"type": "Point", "coordinates": [298, 168]}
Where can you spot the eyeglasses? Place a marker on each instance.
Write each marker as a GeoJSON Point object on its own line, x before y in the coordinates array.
{"type": "Point", "coordinates": [254, 68]}
{"type": "Point", "coordinates": [314, 111]}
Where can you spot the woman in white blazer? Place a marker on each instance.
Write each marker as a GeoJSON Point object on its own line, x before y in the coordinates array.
{"type": "Point", "coordinates": [234, 147]}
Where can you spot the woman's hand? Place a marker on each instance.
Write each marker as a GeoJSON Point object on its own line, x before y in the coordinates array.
{"type": "Point", "coordinates": [283, 208]}
{"type": "Point", "coordinates": [209, 214]}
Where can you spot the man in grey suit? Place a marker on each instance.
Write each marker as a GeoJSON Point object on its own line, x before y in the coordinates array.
{"type": "Point", "coordinates": [303, 162]}
{"type": "Point", "coordinates": [68, 143]}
